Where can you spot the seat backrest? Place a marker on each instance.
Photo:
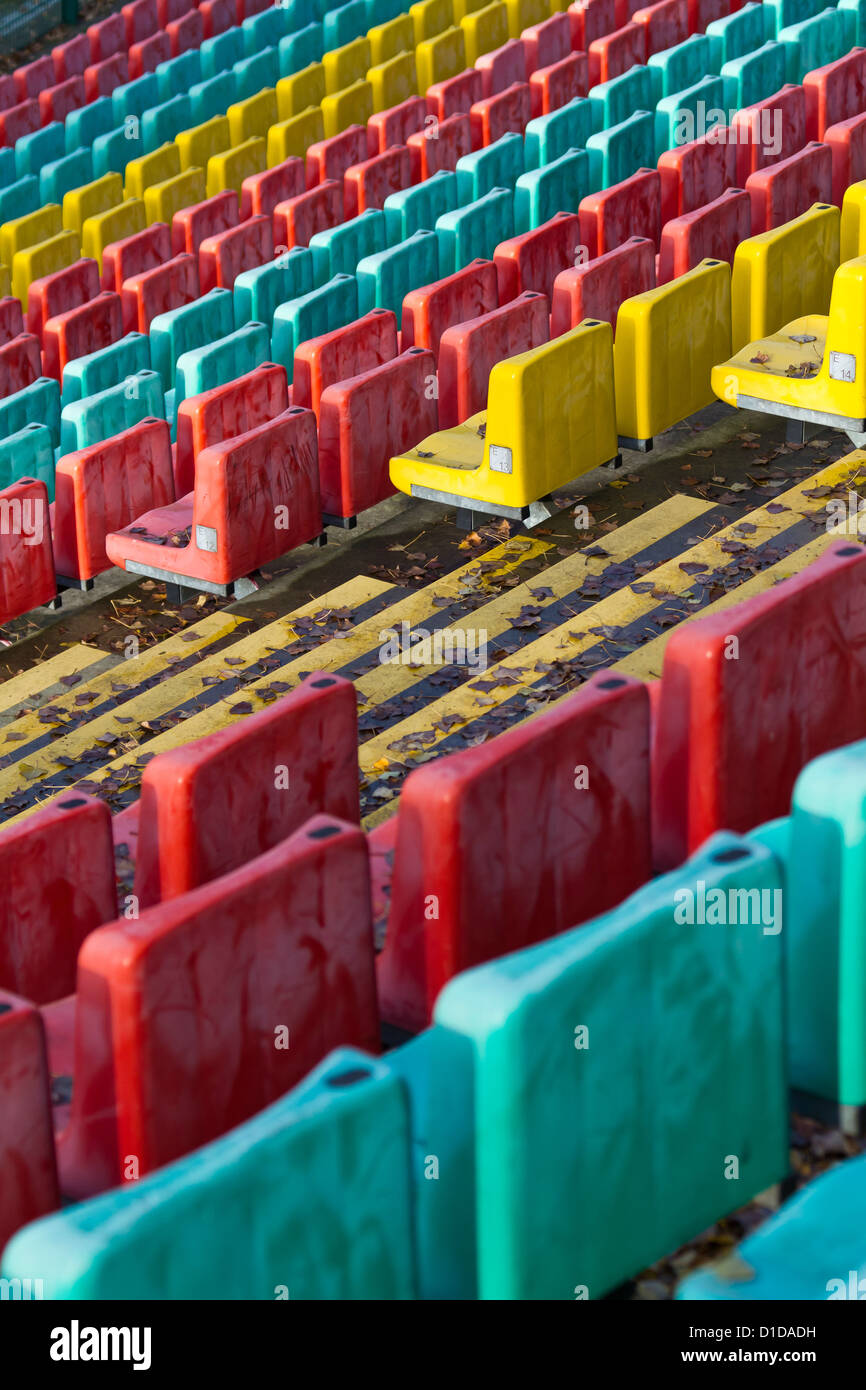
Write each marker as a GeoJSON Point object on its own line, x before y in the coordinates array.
{"type": "Point", "coordinates": [225, 411]}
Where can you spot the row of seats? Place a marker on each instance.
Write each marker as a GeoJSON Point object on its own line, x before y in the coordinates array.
{"type": "Point", "coordinates": [508, 1047]}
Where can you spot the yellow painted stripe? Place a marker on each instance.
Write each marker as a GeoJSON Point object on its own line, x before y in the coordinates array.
{"type": "Point", "coordinates": [335, 653]}
{"type": "Point", "coordinates": [41, 682]}
{"type": "Point", "coordinates": [618, 610]}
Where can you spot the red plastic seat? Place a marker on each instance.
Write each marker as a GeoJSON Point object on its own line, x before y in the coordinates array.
{"type": "Point", "coordinates": [224, 412]}
{"type": "Point", "coordinates": [453, 139]}
{"type": "Point", "coordinates": [368, 184]}
{"type": "Point", "coordinates": [495, 116]}
{"type": "Point", "coordinates": [223, 257]}
{"type": "Point", "coordinates": [596, 289]}
{"type": "Point", "coordinates": [329, 159]}
{"type": "Point", "coordinates": [28, 1172]}
{"type": "Point", "coordinates": [533, 260]}
{"type": "Point", "coordinates": [134, 254]}
{"type": "Point", "coordinates": [298, 219]}
{"type": "Point", "coordinates": [428, 311]}
{"type": "Point", "coordinates": [20, 363]}
{"type": "Point", "coordinates": [193, 225]}
{"type": "Point", "coordinates": [260, 193]}
{"type": "Point", "coordinates": [78, 332]}
{"type": "Point", "coordinates": [156, 291]}
{"type": "Point", "coordinates": [630, 208]}
{"type": "Point", "coordinates": [715, 231]}
{"type": "Point", "coordinates": [26, 557]}
{"type": "Point", "coordinates": [348, 351]}
{"type": "Point", "coordinates": [394, 126]}
{"type": "Point", "coordinates": [468, 350]}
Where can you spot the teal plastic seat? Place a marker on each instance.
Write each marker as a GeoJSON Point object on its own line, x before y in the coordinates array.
{"type": "Point", "coordinates": [419, 207]}
{"type": "Point", "coordinates": [217, 363]}
{"type": "Point", "coordinates": [29, 453]}
{"type": "Point", "coordinates": [817, 41]}
{"type": "Point", "coordinates": [558, 187]}
{"type": "Point", "coordinates": [495, 166]}
{"type": "Point", "coordinates": [176, 75]}
{"type": "Point", "coordinates": [754, 75]}
{"type": "Point", "coordinates": [676, 68]}
{"type": "Point", "coordinates": [87, 123]}
{"type": "Point", "coordinates": [134, 98]}
{"type": "Point", "coordinates": [628, 1079]}
{"type": "Point", "coordinates": [212, 97]}
{"type": "Point", "coordinates": [472, 231]}
{"type": "Point", "coordinates": [266, 29]}
{"type": "Point", "coordinates": [219, 54]}
{"type": "Point", "coordinates": [109, 412]}
{"type": "Point", "coordinates": [813, 1248]}
{"type": "Point", "coordinates": [109, 366]}
{"type": "Point", "coordinates": [307, 1200]}
{"type": "Point", "coordinates": [342, 25]}
{"type": "Point", "coordinates": [616, 152]}
{"type": "Point", "coordinates": [160, 124]}
{"type": "Point", "coordinates": [113, 150]}
{"type": "Point", "coordinates": [19, 198]}
{"type": "Point", "coordinates": [738, 33]}
{"type": "Point", "coordinates": [781, 14]}
{"type": "Point", "coordinates": [337, 250]}
{"type": "Point", "coordinates": [858, 9]}
{"type": "Point", "coordinates": [191, 326]}
{"type": "Point", "coordinates": [258, 291]}
{"type": "Point", "coordinates": [8, 173]}
{"type": "Point", "coordinates": [56, 179]}
{"type": "Point", "coordinates": [250, 75]}
{"type": "Point", "coordinates": [36, 404]}
{"type": "Point", "coordinates": [680, 114]}
{"type": "Point", "coordinates": [40, 147]}
{"type": "Point", "coordinates": [568, 128]}
{"type": "Point", "coordinates": [619, 98]}
{"type": "Point", "coordinates": [386, 278]}
{"type": "Point", "coordinates": [296, 51]}
{"type": "Point", "coordinates": [321, 310]}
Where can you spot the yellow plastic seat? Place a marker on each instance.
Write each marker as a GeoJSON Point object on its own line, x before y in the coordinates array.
{"type": "Point", "coordinates": [550, 418]}
{"type": "Point", "coordinates": [784, 273]}
{"type": "Point", "coordinates": [814, 369]}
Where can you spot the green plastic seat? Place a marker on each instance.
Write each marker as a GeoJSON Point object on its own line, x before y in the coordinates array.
{"type": "Point", "coordinates": [134, 98]}
{"type": "Point", "coordinates": [781, 14]}
{"type": "Point", "coordinates": [680, 114]}
{"type": "Point", "coordinates": [386, 278]}
{"type": "Point", "coordinates": [495, 166]}
{"type": "Point", "coordinates": [258, 291]}
{"type": "Point", "coordinates": [345, 23]}
{"type": "Point", "coordinates": [615, 153]}
{"type": "Point", "coordinates": [212, 97]}
{"type": "Point", "coordinates": [40, 147]}
{"type": "Point", "coordinates": [676, 68]}
{"type": "Point", "coordinates": [191, 326]}
{"type": "Point", "coordinates": [58, 177]}
{"type": "Point", "coordinates": [337, 250]}
{"type": "Point", "coordinates": [812, 1248]}
{"type": "Point", "coordinates": [319, 311]}
{"type": "Point", "coordinates": [109, 412]}
{"type": "Point", "coordinates": [558, 187]}
{"type": "Point", "coordinates": [109, 366]}
{"type": "Point", "coordinates": [738, 33]}
{"type": "Point", "coordinates": [616, 100]}
{"type": "Point", "coordinates": [629, 1084]}
{"type": "Point", "coordinates": [160, 124]}
{"type": "Point", "coordinates": [419, 207]}
{"type": "Point", "coordinates": [176, 75]}
{"type": "Point", "coordinates": [568, 128]}
{"type": "Point", "coordinates": [858, 9]}
{"type": "Point", "coordinates": [113, 150]}
{"type": "Point", "coordinates": [87, 122]}
{"type": "Point", "coordinates": [754, 75]}
{"type": "Point", "coordinates": [308, 1200]}
{"type": "Point", "coordinates": [467, 233]}
{"type": "Point", "coordinates": [817, 41]}
{"type": "Point", "coordinates": [250, 75]}
{"type": "Point", "coordinates": [222, 361]}
{"type": "Point", "coordinates": [29, 453]}
{"type": "Point", "coordinates": [297, 51]}
{"type": "Point", "coordinates": [36, 404]}
{"type": "Point", "coordinates": [19, 198]}
{"type": "Point", "coordinates": [266, 29]}
{"type": "Point", "coordinates": [219, 54]}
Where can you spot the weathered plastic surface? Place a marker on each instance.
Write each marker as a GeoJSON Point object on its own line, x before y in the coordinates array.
{"type": "Point", "coordinates": [38, 404]}
{"type": "Point", "coordinates": [20, 363]}
{"type": "Point", "coordinates": [656, 384]}
{"type": "Point", "coordinates": [345, 352]}
{"type": "Point", "coordinates": [548, 137]}
{"type": "Point", "coordinates": [811, 1248]}
{"type": "Point", "coordinates": [71, 57]}
{"type": "Point", "coordinates": [368, 184]}
{"type": "Point", "coordinates": [547, 42]}
{"type": "Point", "coordinates": [453, 142]}
{"type": "Point", "coordinates": [680, 67]}
{"type": "Point", "coordinates": [259, 291]}
{"type": "Point", "coordinates": [367, 419]}
{"type": "Point", "coordinates": [260, 193]}
{"type": "Point", "coordinates": [768, 131]}
{"type": "Point", "coordinates": [107, 37]}
{"type": "Point", "coordinates": [107, 367]}
{"type": "Point", "coordinates": [157, 290]}
{"type": "Point", "coordinates": [535, 883]}
{"type": "Point", "coordinates": [615, 53]}
{"type": "Point", "coordinates": [19, 120]}
{"type": "Point", "coordinates": [139, 252]}
{"type": "Point", "coordinates": [617, 150]}
{"type": "Point", "coordinates": [784, 273]}
{"type": "Point", "coordinates": [309, 315]}
{"type": "Point", "coordinates": [785, 190]}
{"type": "Point", "coordinates": [385, 279]}
{"type": "Point", "coordinates": [847, 142]}
{"type": "Point", "coordinates": [420, 206]}
{"type": "Point", "coordinates": [73, 285]}
{"type": "Point", "coordinates": [701, 761]}
{"type": "Point", "coordinates": [297, 219]}
{"type": "Point", "coordinates": [148, 54]}
{"type": "Point", "coordinates": [100, 79]}
{"type": "Point", "coordinates": [697, 173]}
{"type": "Point", "coordinates": [191, 326]}
{"type": "Point", "coordinates": [591, 21]}
{"type": "Point", "coordinates": [109, 412]}
{"type": "Point", "coordinates": [223, 257]}
{"type": "Point", "coordinates": [223, 412]}
{"type": "Point", "coordinates": [185, 838]}
{"type": "Point", "coordinates": [221, 361]}
{"type": "Point", "coordinates": [465, 294]}
{"type": "Point", "coordinates": [715, 230]}
{"type": "Point", "coordinates": [665, 24]}
{"type": "Point", "coordinates": [556, 85]}
{"type": "Point", "coordinates": [532, 260]}
{"type": "Point", "coordinates": [149, 1078]}
{"type": "Point", "coordinates": [495, 116]}
{"type": "Point", "coordinates": [232, 1220]}
{"type": "Point", "coordinates": [469, 350]}
{"type": "Point", "coordinates": [11, 319]}
{"type": "Point", "coordinates": [630, 208]}
{"type": "Point", "coordinates": [455, 94]}
{"type": "Point", "coordinates": [394, 125]}
{"type": "Point", "coordinates": [58, 868]}
{"type": "Point", "coordinates": [749, 77]}
{"type": "Point", "coordinates": [570, 1101]}
{"type": "Point", "coordinates": [28, 1173]}
{"type": "Point", "coordinates": [835, 93]}
{"type": "Point", "coordinates": [26, 561]}
{"type": "Point", "coordinates": [28, 453]}
{"type": "Point", "coordinates": [502, 67]}
{"type": "Point", "coordinates": [190, 226]}
{"type": "Point", "coordinates": [78, 332]}
{"type": "Point", "coordinates": [492, 166]}
{"type": "Point", "coordinates": [256, 496]}
{"type": "Point", "coordinates": [337, 250]}
{"type": "Point", "coordinates": [103, 488]}
{"type": "Point", "coordinates": [55, 103]}
{"type": "Point", "coordinates": [329, 159]}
